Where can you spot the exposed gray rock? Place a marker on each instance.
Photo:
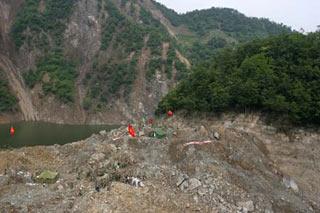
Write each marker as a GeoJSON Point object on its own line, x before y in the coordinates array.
{"type": "Point", "coordinates": [184, 185]}
{"type": "Point", "coordinates": [134, 181]}
{"type": "Point", "coordinates": [20, 176]}
{"type": "Point", "coordinates": [268, 211]}
{"type": "Point", "coordinates": [194, 183]}
{"type": "Point", "coordinates": [103, 132]}
{"type": "Point", "coordinates": [103, 181]}
{"type": "Point", "coordinates": [97, 157]}
{"type": "Point", "coordinates": [216, 135]}
{"type": "Point", "coordinates": [203, 132]}
{"type": "Point", "coordinates": [202, 192]}
{"type": "Point", "coordinates": [290, 184]}
{"type": "Point", "coordinates": [247, 206]}
{"type": "Point", "coordinates": [4, 180]}
{"type": "Point", "coordinates": [181, 179]}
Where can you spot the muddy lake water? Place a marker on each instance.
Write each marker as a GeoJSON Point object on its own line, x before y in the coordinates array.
{"type": "Point", "coordinates": [40, 133]}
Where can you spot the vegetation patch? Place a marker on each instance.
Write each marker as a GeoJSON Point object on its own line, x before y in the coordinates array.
{"type": "Point", "coordinates": [216, 28]}
{"type": "Point", "coordinates": [32, 25]}
{"type": "Point", "coordinates": [38, 27]}
{"type": "Point", "coordinates": [278, 75]}
{"type": "Point", "coordinates": [126, 35]}
{"type": "Point", "coordinates": [7, 100]}
{"type": "Point", "coordinates": [56, 74]}
{"type": "Point", "coordinates": [111, 80]}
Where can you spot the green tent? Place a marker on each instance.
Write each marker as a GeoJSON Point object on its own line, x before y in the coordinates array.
{"type": "Point", "coordinates": [159, 133]}
{"type": "Point", "coordinates": [47, 177]}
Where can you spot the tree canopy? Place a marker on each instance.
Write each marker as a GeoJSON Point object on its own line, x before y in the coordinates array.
{"type": "Point", "coordinates": [7, 100]}
{"type": "Point", "coordinates": [279, 75]}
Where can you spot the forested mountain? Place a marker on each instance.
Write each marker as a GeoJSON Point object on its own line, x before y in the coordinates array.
{"type": "Point", "coordinates": [215, 28]}
{"type": "Point", "coordinates": [278, 75]}
{"type": "Point", "coordinates": [102, 60]}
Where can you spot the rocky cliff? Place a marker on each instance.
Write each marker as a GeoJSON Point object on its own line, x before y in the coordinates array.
{"type": "Point", "coordinates": [102, 61]}
{"type": "Point", "coordinates": [107, 44]}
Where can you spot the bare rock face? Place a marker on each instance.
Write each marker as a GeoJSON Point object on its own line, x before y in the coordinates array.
{"type": "Point", "coordinates": [82, 42]}
{"type": "Point", "coordinates": [83, 33]}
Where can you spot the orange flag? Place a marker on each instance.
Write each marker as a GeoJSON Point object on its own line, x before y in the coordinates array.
{"type": "Point", "coordinates": [131, 131]}
{"type": "Point", "coordinates": [12, 131]}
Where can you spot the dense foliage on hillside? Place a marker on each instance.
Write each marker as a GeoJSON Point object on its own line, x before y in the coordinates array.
{"type": "Point", "coordinates": [60, 76]}
{"type": "Point", "coordinates": [7, 99]}
{"type": "Point", "coordinates": [216, 28]}
{"type": "Point", "coordinates": [36, 28]}
{"type": "Point", "coordinates": [231, 21]}
{"type": "Point", "coordinates": [127, 28]}
{"type": "Point", "coordinates": [38, 24]}
{"type": "Point", "coordinates": [278, 75]}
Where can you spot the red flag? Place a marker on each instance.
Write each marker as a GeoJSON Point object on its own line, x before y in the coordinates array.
{"type": "Point", "coordinates": [170, 113]}
{"type": "Point", "coordinates": [12, 131]}
{"type": "Point", "coordinates": [131, 131]}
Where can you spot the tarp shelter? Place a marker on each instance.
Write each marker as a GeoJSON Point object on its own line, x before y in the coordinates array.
{"type": "Point", "coordinates": [158, 133]}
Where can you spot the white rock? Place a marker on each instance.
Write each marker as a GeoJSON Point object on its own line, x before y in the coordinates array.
{"type": "Point", "coordinates": [243, 210]}
{"type": "Point", "coordinates": [181, 179]}
{"type": "Point", "coordinates": [194, 183]}
{"type": "Point", "coordinates": [268, 211]}
{"type": "Point", "coordinates": [97, 157]}
{"type": "Point", "coordinates": [60, 187]}
{"type": "Point", "coordinates": [247, 206]}
{"type": "Point", "coordinates": [184, 185]}
{"type": "Point", "coordinates": [196, 199]}
{"type": "Point", "coordinates": [203, 131]}
{"type": "Point", "coordinates": [136, 182]}
{"type": "Point", "coordinates": [202, 192]}
{"type": "Point", "coordinates": [141, 133]}
{"type": "Point", "coordinates": [290, 184]}
{"type": "Point", "coordinates": [216, 135]}
{"type": "Point", "coordinates": [103, 132]}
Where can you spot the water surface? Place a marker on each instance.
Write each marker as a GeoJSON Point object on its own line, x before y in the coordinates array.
{"type": "Point", "coordinates": [40, 133]}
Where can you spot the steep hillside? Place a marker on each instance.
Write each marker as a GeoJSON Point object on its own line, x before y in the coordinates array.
{"type": "Point", "coordinates": [202, 32]}
{"type": "Point", "coordinates": [90, 61]}
{"type": "Point", "coordinates": [279, 76]}
{"type": "Point", "coordinates": [106, 61]}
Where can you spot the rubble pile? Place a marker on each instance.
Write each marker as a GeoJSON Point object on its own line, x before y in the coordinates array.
{"type": "Point", "coordinates": [169, 167]}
